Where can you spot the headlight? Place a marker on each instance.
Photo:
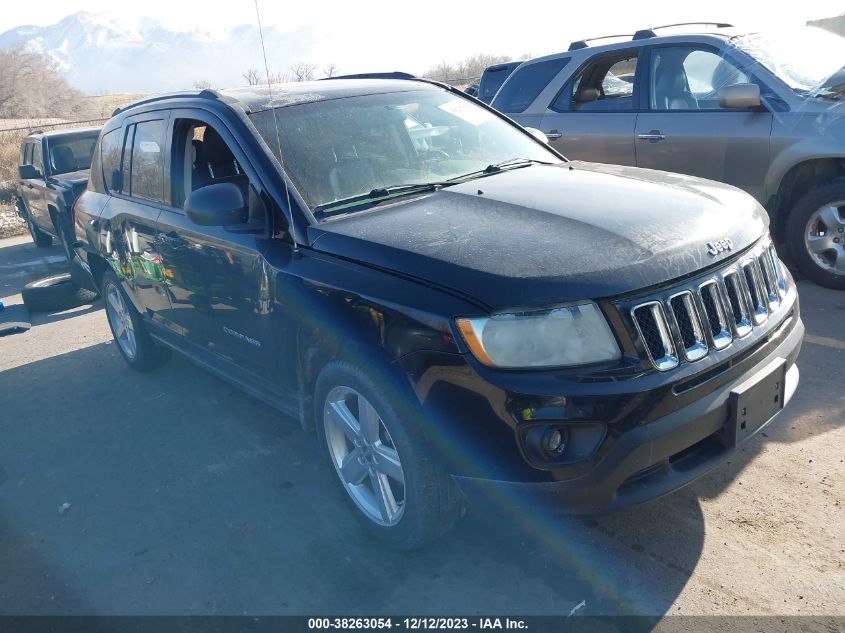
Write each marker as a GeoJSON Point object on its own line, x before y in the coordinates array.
{"type": "Point", "coordinates": [575, 335]}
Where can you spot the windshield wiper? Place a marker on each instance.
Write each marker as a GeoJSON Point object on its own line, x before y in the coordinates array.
{"type": "Point", "coordinates": [379, 194]}
{"type": "Point", "coordinates": [495, 168]}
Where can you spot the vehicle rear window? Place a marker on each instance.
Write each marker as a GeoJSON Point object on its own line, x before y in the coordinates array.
{"type": "Point", "coordinates": [491, 81]}
{"type": "Point", "coordinates": [71, 153]}
{"type": "Point", "coordinates": [527, 81]}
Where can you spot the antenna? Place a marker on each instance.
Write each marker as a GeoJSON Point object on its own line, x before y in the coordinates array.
{"type": "Point", "coordinates": [276, 126]}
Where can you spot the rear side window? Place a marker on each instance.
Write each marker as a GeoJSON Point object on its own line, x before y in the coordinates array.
{"type": "Point", "coordinates": [26, 154]}
{"type": "Point", "coordinates": [526, 83]}
{"type": "Point", "coordinates": [147, 165]}
{"type": "Point", "coordinates": [110, 147]}
{"type": "Point", "coordinates": [37, 160]}
{"type": "Point", "coordinates": [491, 81]}
{"type": "Point", "coordinates": [605, 85]}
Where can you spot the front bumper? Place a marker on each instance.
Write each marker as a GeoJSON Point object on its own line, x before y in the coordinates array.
{"type": "Point", "coordinates": [650, 460]}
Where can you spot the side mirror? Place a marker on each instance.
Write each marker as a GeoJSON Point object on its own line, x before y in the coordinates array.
{"type": "Point", "coordinates": [220, 204]}
{"type": "Point", "coordinates": [739, 96]}
{"type": "Point", "coordinates": [28, 172]}
{"type": "Point", "coordinates": [533, 131]}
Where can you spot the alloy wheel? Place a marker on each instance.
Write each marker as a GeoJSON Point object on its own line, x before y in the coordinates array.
{"type": "Point", "coordinates": [121, 322]}
{"type": "Point", "coordinates": [824, 238]}
{"type": "Point", "coordinates": [364, 456]}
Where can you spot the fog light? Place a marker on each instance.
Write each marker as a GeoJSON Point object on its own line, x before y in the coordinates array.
{"type": "Point", "coordinates": [554, 441]}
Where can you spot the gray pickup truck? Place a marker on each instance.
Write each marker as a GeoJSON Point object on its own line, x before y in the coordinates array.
{"type": "Point", "coordinates": [53, 172]}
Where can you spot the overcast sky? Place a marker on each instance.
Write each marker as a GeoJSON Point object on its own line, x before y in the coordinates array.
{"type": "Point", "coordinates": [413, 36]}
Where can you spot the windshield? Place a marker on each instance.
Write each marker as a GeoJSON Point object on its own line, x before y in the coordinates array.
{"type": "Point", "coordinates": [71, 153]}
{"type": "Point", "coordinates": [342, 148]}
{"type": "Point", "coordinates": [803, 57]}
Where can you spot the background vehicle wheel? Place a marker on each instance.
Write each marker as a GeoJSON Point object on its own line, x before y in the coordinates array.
{"type": "Point", "coordinates": [54, 294]}
{"type": "Point", "coordinates": [815, 234]}
{"type": "Point", "coordinates": [136, 346]}
{"type": "Point", "coordinates": [397, 488]}
{"type": "Point", "coordinates": [40, 238]}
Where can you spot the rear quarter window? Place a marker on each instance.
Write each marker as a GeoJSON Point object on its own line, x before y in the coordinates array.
{"type": "Point", "coordinates": [111, 145]}
{"type": "Point", "coordinates": [526, 83]}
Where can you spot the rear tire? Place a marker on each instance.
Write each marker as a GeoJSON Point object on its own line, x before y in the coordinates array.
{"type": "Point", "coordinates": [54, 294]}
{"type": "Point", "coordinates": [392, 457]}
{"type": "Point", "coordinates": [815, 235]}
{"type": "Point", "coordinates": [137, 347]}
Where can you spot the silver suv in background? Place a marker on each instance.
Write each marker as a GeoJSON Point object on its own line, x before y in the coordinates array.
{"type": "Point", "coordinates": [763, 111]}
{"type": "Point", "coordinates": [492, 79]}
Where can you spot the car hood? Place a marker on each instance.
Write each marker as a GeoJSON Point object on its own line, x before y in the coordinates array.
{"type": "Point", "coordinates": [543, 235]}
{"type": "Point", "coordinates": [71, 179]}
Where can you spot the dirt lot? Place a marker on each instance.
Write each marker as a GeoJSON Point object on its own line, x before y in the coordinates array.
{"type": "Point", "coordinates": [188, 497]}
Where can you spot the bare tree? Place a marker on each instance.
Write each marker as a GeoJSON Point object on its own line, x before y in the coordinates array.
{"type": "Point", "coordinates": [442, 71]}
{"type": "Point", "coordinates": [465, 71]}
{"type": "Point", "coordinates": [330, 69]}
{"type": "Point", "coordinates": [303, 71]}
{"type": "Point", "coordinates": [252, 76]}
{"type": "Point", "coordinates": [32, 86]}
{"type": "Point", "coordinates": [202, 84]}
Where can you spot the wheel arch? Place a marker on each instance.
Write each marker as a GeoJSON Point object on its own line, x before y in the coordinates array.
{"type": "Point", "coordinates": [797, 180]}
{"type": "Point", "coordinates": [315, 351]}
{"type": "Point", "coordinates": [98, 266]}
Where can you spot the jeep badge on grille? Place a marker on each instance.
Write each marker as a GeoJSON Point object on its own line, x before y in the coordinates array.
{"type": "Point", "coordinates": [719, 246]}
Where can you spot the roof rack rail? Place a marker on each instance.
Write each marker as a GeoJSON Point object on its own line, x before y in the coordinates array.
{"type": "Point", "coordinates": [579, 44]}
{"type": "Point", "coordinates": [644, 34]}
{"type": "Point", "coordinates": [206, 93]}
{"type": "Point", "coordinates": [718, 25]}
{"type": "Point", "coordinates": [396, 74]}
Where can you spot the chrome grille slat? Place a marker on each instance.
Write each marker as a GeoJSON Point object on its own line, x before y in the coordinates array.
{"type": "Point", "coordinates": [777, 267]}
{"type": "Point", "coordinates": [687, 325]}
{"type": "Point", "coordinates": [713, 301]}
{"type": "Point", "coordinates": [769, 280]}
{"type": "Point", "coordinates": [756, 291]}
{"type": "Point", "coordinates": [739, 302]}
{"type": "Point", "coordinates": [654, 331]}
{"type": "Point", "coordinates": [691, 321]}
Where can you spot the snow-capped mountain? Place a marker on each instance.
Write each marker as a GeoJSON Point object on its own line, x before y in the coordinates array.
{"type": "Point", "coordinates": [100, 53]}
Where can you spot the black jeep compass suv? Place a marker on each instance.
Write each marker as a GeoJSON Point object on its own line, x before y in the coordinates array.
{"type": "Point", "coordinates": [454, 307]}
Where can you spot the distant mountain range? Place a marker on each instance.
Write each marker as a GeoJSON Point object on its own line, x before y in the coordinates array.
{"type": "Point", "coordinates": [101, 54]}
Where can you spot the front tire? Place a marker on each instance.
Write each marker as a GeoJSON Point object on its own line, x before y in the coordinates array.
{"type": "Point", "coordinates": [130, 334]}
{"type": "Point", "coordinates": [815, 235]}
{"type": "Point", "coordinates": [396, 487]}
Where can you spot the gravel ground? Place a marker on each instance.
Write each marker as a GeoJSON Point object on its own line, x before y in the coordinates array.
{"type": "Point", "coordinates": [188, 497]}
{"type": "Point", "coordinates": [11, 224]}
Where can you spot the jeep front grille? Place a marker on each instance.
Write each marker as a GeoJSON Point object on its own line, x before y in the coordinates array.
{"type": "Point", "coordinates": [692, 320]}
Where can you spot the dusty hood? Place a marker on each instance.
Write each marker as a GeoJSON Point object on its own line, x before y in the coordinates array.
{"type": "Point", "coordinates": [543, 235]}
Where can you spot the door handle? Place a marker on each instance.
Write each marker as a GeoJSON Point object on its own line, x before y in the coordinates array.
{"type": "Point", "coordinates": [653, 135]}
{"type": "Point", "coordinates": [553, 135]}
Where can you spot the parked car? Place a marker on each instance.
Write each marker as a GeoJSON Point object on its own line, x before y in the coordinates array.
{"type": "Point", "coordinates": [758, 110]}
{"type": "Point", "coordinates": [472, 316]}
{"type": "Point", "coordinates": [472, 90]}
{"type": "Point", "coordinates": [53, 171]}
{"type": "Point", "coordinates": [492, 79]}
